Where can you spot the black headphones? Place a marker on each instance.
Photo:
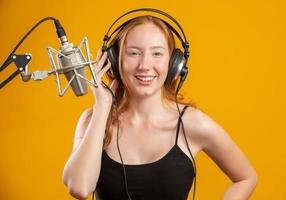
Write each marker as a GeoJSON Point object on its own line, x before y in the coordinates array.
{"type": "Point", "coordinates": [178, 60]}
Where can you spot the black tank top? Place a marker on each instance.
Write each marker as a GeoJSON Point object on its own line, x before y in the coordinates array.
{"type": "Point", "coordinates": [169, 178]}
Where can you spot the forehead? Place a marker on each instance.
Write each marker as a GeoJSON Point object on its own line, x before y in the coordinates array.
{"type": "Point", "coordinates": [145, 35]}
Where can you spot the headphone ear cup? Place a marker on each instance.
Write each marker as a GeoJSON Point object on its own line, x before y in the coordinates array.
{"type": "Point", "coordinates": [175, 65]}
{"type": "Point", "coordinates": [112, 55]}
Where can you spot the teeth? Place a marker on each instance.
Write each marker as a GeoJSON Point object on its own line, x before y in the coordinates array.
{"type": "Point", "coordinates": [145, 78]}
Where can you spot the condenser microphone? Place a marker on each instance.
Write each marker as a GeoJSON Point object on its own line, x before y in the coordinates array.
{"type": "Point", "coordinates": [71, 60]}
{"type": "Point", "coordinates": [72, 63]}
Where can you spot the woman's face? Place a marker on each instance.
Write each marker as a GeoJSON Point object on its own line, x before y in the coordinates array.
{"type": "Point", "coordinates": [145, 60]}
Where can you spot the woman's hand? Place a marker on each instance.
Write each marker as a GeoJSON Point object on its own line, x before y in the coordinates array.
{"type": "Point", "coordinates": [101, 94]}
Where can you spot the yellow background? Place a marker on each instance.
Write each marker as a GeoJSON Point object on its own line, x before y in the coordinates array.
{"type": "Point", "coordinates": [237, 76]}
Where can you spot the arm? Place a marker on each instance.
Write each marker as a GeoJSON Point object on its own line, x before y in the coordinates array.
{"type": "Point", "coordinates": [218, 145]}
{"type": "Point", "coordinates": [81, 172]}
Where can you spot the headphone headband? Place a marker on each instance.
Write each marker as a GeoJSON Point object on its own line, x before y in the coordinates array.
{"type": "Point", "coordinates": [183, 39]}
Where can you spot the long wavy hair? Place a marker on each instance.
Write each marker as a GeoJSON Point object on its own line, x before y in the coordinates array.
{"type": "Point", "coordinates": [122, 94]}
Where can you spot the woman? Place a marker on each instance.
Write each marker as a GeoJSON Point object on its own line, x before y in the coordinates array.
{"type": "Point", "coordinates": [154, 150]}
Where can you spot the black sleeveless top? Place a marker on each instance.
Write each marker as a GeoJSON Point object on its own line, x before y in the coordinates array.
{"type": "Point", "coordinates": [169, 178]}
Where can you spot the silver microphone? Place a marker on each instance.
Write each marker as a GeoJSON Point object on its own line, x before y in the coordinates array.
{"type": "Point", "coordinates": [72, 62]}
{"type": "Point", "coordinates": [72, 57]}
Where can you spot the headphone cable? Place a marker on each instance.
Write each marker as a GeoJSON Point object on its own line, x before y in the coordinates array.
{"type": "Point", "coordinates": [114, 103]}
{"type": "Point", "coordinates": [183, 128]}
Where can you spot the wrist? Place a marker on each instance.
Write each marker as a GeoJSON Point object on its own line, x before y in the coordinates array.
{"type": "Point", "coordinates": [101, 107]}
{"type": "Point", "coordinates": [103, 102]}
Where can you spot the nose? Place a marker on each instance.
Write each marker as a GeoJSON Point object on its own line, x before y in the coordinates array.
{"type": "Point", "coordinates": [144, 63]}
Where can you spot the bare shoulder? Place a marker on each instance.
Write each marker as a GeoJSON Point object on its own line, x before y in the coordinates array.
{"type": "Point", "coordinates": [202, 128]}
{"type": "Point", "coordinates": [197, 119]}
{"type": "Point", "coordinates": [218, 145]}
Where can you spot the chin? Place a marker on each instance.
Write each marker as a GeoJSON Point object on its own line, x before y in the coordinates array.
{"type": "Point", "coordinates": [146, 92]}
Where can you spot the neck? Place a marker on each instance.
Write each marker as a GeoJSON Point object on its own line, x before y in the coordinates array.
{"type": "Point", "coordinates": [146, 108]}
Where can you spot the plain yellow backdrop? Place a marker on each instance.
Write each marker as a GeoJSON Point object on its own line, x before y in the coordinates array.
{"type": "Point", "coordinates": [237, 76]}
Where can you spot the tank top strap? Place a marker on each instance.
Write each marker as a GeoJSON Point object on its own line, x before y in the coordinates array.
{"type": "Point", "coordinates": [179, 124]}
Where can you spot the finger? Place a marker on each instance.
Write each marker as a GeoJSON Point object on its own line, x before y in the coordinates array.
{"type": "Point", "coordinates": [98, 55]}
{"type": "Point", "coordinates": [93, 82]}
{"type": "Point", "coordinates": [114, 84]}
{"type": "Point", "coordinates": [102, 60]}
{"type": "Point", "coordinates": [105, 69]}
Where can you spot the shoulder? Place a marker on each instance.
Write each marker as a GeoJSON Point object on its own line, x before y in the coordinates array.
{"type": "Point", "coordinates": [218, 145]}
{"type": "Point", "coordinates": [199, 119]}
{"type": "Point", "coordinates": [196, 117]}
{"type": "Point", "coordinates": [202, 128]}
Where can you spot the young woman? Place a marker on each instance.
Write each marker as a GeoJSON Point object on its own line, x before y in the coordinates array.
{"type": "Point", "coordinates": [157, 161]}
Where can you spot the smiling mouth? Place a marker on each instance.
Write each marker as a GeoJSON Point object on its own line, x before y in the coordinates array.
{"type": "Point", "coordinates": [145, 78]}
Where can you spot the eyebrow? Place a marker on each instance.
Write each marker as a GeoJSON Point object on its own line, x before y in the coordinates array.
{"type": "Point", "coordinates": [153, 47]}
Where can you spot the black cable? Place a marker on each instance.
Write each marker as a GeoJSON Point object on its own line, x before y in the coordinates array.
{"type": "Point", "coordinates": [26, 35]}
{"type": "Point", "coordinates": [114, 102]}
{"type": "Point", "coordinates": [181, 122]}
{"type": "Point", "coordinates": [194, 163]}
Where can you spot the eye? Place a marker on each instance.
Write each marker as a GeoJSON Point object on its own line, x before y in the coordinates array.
{"type": "Point", "coordinates": [134, 53]}
{"type": "Point", "coordinates": [157, 54]}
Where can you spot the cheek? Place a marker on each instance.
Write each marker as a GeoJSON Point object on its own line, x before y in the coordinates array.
{"type": "Point", "coordinates": [129, 64]}
{"type": "Point", "coordinates": [128, 70]}
{"type": "Point", "coordinates": [128, 67]}
{"type": "Point", "coordinates": [162, 67]}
